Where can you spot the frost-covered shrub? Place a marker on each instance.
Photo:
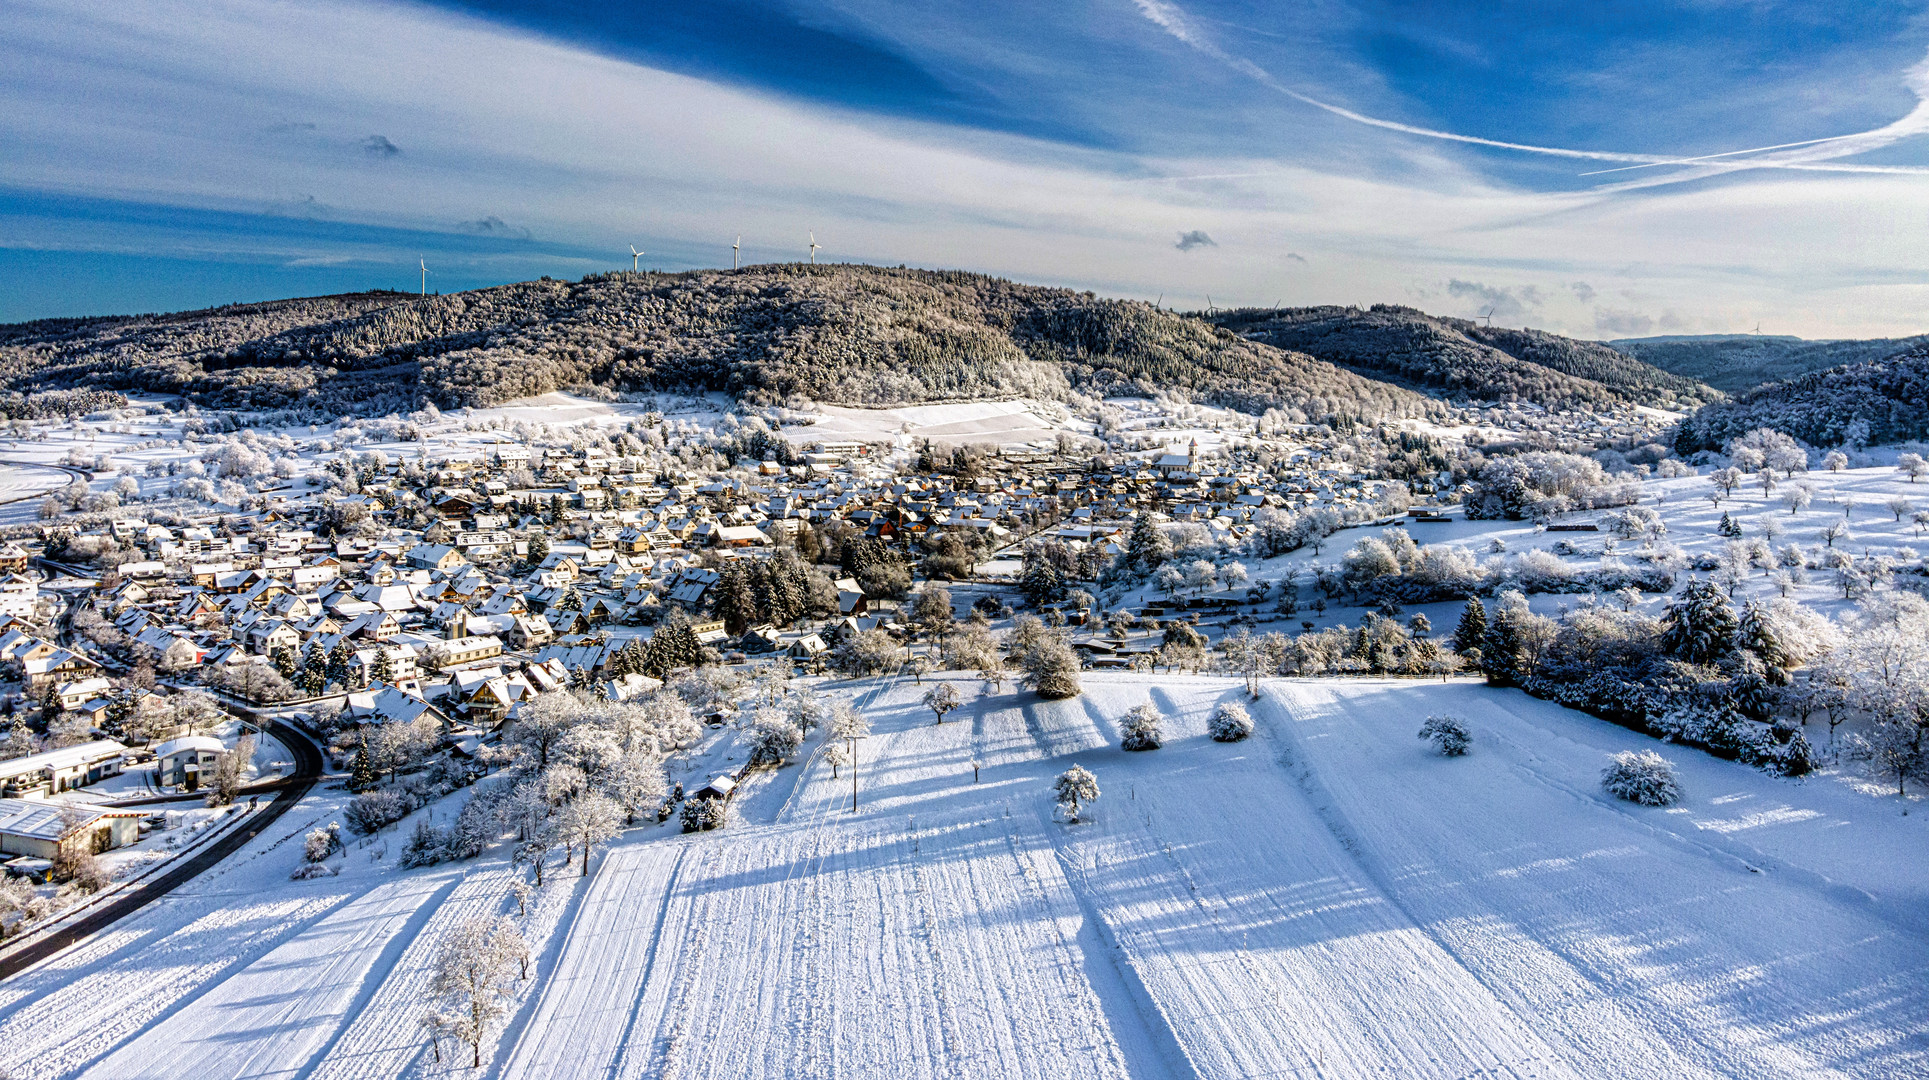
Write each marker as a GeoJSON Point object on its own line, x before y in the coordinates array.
{"type": "Point", "coordinates": [701, 815]}
{"type": "Point", "coordinates": [1140, 728]}
{"type": "Point", "coordinates": [1448, 734]}
{"type": "Point", "coordinates": [772, 738]}
{"type": "Point", "coordinates": [426, 846]}
{"type": "Point", "coordinates": [372, 810]}
{"type": "Point", "coordinates": [321, 843]}
{"type": "Point", "coordinates": [473, 826]}
{"type": "Point", "coordinates": [1643, 777]}
{"type": "Point", "coordinates": [1230, 722]}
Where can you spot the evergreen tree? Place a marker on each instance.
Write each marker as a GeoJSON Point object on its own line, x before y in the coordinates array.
{"type": "Point", "coordinates": [1471, 632]}
{"type": "Point", "coordinates": [1502, 657]}
{"type": "Point", "coordinates": [336, 665]}
{"type": "Point", "coordinates": [285, 660]}
{"type": "Point", "coordinates": [736, 604]}
{"type": "Point", "coordinates": [363, 776]}
{"type": "Point", "coordinates": [1041, 583]}
{"type": "Point", "coordinates": [1146, 548]}
{"type": "Point", "coordinates": [382, 670]}
{"type": "Point", "coordinates": [1729, 526]}
{"type": "Point", "coordinates": [1700, 625]}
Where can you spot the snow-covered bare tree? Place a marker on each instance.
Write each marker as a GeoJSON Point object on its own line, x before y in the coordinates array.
{"type": "Point", "coordinates": [476, 968]}
{"type": "Point", "coordinates": [588, 820]}
{"type": "Point", "coordinates": [941, 699]}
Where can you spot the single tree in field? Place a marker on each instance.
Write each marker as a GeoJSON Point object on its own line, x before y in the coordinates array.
{"type": "Point", "coordinates": [1835, 461]}
{"type": "Point", "coordinates": [1912, 465]}
{"type": "Point", "coordinates": [1075, 789]}
{"type": "Point", "coordinates": [1140, 728]}
{"type": "Point", "coordinates": [941, 699]}
{"type": "Point", "coordinates": [1230, 722]}
{"type": "Point", "coordinates": [590, 819]}
{"type": "Point", "coordinates": [1900, 505]}
{"type": "Point", "coordinates": [475, 973]}
{"type": "Point", "coordinates": [1832, 532]}
{"type": "Point", "coordinates": [1051, 668]}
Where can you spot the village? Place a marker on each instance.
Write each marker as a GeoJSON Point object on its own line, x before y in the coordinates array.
{"type": "Point", "coordinates": [451, 590]}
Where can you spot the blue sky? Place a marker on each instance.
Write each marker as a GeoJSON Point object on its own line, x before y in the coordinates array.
{"type": "Point", "coordinates": [1460, 157]}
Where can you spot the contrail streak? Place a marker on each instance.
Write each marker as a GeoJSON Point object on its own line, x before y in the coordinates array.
{"type": "Point", "coordinates": [1808, 155]}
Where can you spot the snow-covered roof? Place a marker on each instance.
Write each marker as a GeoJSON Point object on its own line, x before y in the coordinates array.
{"type": "Point", "coordinates": [51, 820]}
{"type": "Point", "coordinates": [64, 758]}
{"type": "Point", "coordinates": [190, 742]}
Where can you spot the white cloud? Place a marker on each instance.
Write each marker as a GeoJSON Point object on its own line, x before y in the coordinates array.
{"type": "Point", "coordinates": [189, 104]}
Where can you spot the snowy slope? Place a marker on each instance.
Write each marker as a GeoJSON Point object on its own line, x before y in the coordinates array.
{"type": "Point", "coordinates": [1326, 899]}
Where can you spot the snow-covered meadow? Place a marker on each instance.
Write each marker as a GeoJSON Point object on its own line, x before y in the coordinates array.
{"type": "Point", "coordinates": [1328, 898]}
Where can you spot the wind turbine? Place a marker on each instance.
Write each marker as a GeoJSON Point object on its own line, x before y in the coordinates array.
{"type": "Point", "coordinates": [814, 245]}
{"type": "Point", "coordinates": [1758, 326]}
{"type": "Point", "coordinates": [1488, 315]}
{"type": "Point", "coordinates": [425, 276]}
{"type": "Point", "coordinates": [734, 249]}
{"type": "Point", "coordinates": [634, 256]}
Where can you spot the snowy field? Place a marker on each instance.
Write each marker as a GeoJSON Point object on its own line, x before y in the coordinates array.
{"type": "Point", "coordinates": [1326, 899]}
{"type": "Point", "coordinates": [1001, 423]}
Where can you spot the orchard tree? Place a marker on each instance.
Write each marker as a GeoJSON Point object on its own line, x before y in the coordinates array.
{"type": "Point", "coordinates": [1051, 668]}
{"type": "Point", "coordinates": [475, 975]}
{"type": "Point", "coordinates": [1140, 728]}
{"type": "Point", "coordinates": [1075, 789]}
{"type": "Point", "coordinates": [941, 699]}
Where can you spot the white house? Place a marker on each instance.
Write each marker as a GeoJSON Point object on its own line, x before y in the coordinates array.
{"type": "Point", "coordinates": [182, 762]}
{"type": "Point", "coordinates": [63, 769]}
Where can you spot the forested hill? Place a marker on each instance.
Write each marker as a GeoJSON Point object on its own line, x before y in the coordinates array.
{"type": "Point", "coordinates": [849, 334]}
{"type": "Point", "coordinates": [1883, 401]}
{"type": "Point", "coordinates": [1463, 359]}
{"type": "Point", "coordinates": [1739, 362]}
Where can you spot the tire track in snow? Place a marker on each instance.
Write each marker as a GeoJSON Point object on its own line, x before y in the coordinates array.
{"type": "Point", "coordinates": [385, 1037]}
{"type": "Point", "coordinates": [1592, 958]}
{"type": "Point", "coordinates": [154, 981]}
{"type": "Point", "coordinates": [224, 1030]}
{"type": "Point", "coordinates": [603, 967]}
{"type": "Point", "coordinates": [379, 973]}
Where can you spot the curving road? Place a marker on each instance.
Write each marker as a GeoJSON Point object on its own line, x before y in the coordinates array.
{"type": "Point", "coordinates": [308, 769]}
{"type": "Point", "coordinates": [41, 493]}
